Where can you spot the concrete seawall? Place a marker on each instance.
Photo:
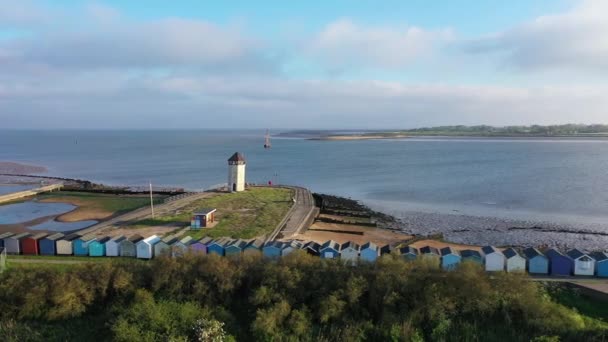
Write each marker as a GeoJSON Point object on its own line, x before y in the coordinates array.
{"type": "Point", "coordinates": [27, 193]}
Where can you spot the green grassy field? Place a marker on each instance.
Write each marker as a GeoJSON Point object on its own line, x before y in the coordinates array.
{"type": "Point", "coordinates": [574, 299]}
{"type": "Point", "coordinates": [245, 215]}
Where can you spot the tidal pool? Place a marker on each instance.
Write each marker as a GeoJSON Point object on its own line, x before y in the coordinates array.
{"type": "Point", "coordinates": [27, 211]}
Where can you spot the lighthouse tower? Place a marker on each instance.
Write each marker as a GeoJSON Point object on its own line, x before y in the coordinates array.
{"type": "Point", "coordinates": [236, 172]}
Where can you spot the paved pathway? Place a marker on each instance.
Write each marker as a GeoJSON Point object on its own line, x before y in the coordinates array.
{"type": "Point", "coordinates": [298, 217]}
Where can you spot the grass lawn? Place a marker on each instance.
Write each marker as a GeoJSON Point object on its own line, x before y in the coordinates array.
{"type": "Point", "coordinates": [573, 298]}
{"type": "Point", "coordinates": [95, 206]}
{"type": "Point", "coordinates": [245, 215]}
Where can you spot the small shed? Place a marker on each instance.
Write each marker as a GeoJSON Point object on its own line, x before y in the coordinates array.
{"type": "Point", "coordinates": [218, 246]}
{"type": "Point", "coordinates": [183, 246]}
{"type": "Point", "coordinates": [601, 264]}
{"type": "Point", "coordinates": [97, 247]}
{"type": "Point", "coordinates": [145, 247]}
{"type": "Point", "coordinates": [514, 261]}
{"type": "Point", "coordinates": [408, 253]}
{"type": "Point", "coordinates": [290, 247]}
{"type": "Point", "coordinates": [386, 250]}
{"type": "Point", "coordinates": [65, 244]}
{"type": "Point", "coordinates": [128, 246]}
{"type": "Point", "coordinates": [200, 246]}
{"type": "Point", "coordinates": [235, 248]}
{"type": "Point", "coordinates": [471, 255]}
{"type": "Point", "coordinates": [254, 247]}
{"type": "Point", "coordinates": [583, 263]}
{"type": "Point", "coordinates": [29, 245]}
{"type": "Point", "coordinates": [12, 244]}
{"type": "Point", "coordinates": [430, 255]}
{"type": "Point", "coordinates": [330, 250]}
{"type": "Point", "coordinates": [80, 245]}
{"type": "Point", "coordinates": [202, 218]}
{"type": "Point", "coordinates": [494, 259]}
{"type": "Point", "coordinates": [312, 248]}
{"type": "Point", "coordinates": [4, 236]}
{"type": "Point", "coordinates": [559, 264]}
{"type": "Point", "coordinates": [450, 258]}
{"type": "Point", "coordinates": [349, 252]}
{"type": "Point", "coordinates": [369, 252]}
{"type": "Point", "coordinates": [538, 263]}
{"type": "Point", "coordinates": [272, 249]}
{"type": "Point", "coordinates": [113, 246]}
{"type": "Point", "coordinates": [48, 244]}
{"type": "Point", "coordinates": [164, 246]}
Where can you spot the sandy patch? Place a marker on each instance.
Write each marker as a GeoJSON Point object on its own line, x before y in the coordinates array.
{"type": "Point", "coordinates": [362, 137]}
{"type": "Point", "coordinates": [17, 168]}
{"type": "Point", "coordinates": [322, 231]}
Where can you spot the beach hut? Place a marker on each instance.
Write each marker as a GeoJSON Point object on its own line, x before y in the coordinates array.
{"type": "Point", "coordinates": [369, 252]}
{"type": "Point", "coordinates": [272, 249]}
{"type": "Point", "coordinates": [386, 249]}
{"type": "Point", "coordinates": [235, 248]}
{"type": "Point", "coordinates": [349, 252]}
{"type": "Point", "coordinates": [254, 247]}
{"type": "Point", "coordinates": [559, 264]}
{"type": "Point", "coordinates": [4, 236]}
{"type": "Point", "coordinates": [583, 263]}
{"type": "Point", "coordinates": [538, 263]}
{"type": "Point", "coordinates": [48, 244]}
{"type": "Point", "coordinates": [29, 245]}
{"type": "Point", "coordinates": [65, 244]}
{"type": "Point", "coordinates": [113, 246]}
{"type": "Point", "coordinates": [202, 218]}
{"type": "Point", "coordinates": [145, 247]}
{"type": "Point", "coordinates": [408, 253]}
{"type": "Point", "coordinates": [80, 246]}
{"type": "Point", "coordinates": [601, 264]}
{"type": "Point", "coordinates": [450, 258]}
{"type": "Point", "coordinates": [200, 246]}
{"type": "Point", "coordinates": [471, 255]}
{"type": "Point", "coordinates": [514, 261]}
{"type": "Point", "coordinates": [218, 246]}
{"type": "Point", "coordinates": [128, 246]}
{"type": "Point", "coordinates": [164, 246]}
{"type": "Point", "coordinates": [330, 250]}
{"type": "Point", "coordinates": [430, 255]}
{"type": "Point", "coordinates": [494, 259]}
{"type": "Point", "coordinates": [312, 248]}
{"type": "Point", "coordinates": [290, 247]}
{"type": "Point", "coordinates": [12, 244]}
{"type": "Point", "coordinates": [181, 247]}
{"type": "Point", "coordinates": [97, 247]}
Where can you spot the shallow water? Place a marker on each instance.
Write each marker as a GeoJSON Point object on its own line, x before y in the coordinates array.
{"type": "Point", "coordinates": [53, 225]}
{"type": "Point", "coordinates": [27, 211]}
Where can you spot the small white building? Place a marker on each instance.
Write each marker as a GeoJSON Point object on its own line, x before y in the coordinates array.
{"type": "Point", "coordinates": [349, 252]}
{"type": "Point", "coordinates": [494, 259]}
{"type": "Point", "coordinates": [583, 263]}
{"type": "Point", "coordinates": [515, 262]}
{"type": "Point", "coordinates": [236, 172]}
{"type": "Point", "coordinates": [145, 247]}
{"type": "Point", "coordinates": [113, 246]}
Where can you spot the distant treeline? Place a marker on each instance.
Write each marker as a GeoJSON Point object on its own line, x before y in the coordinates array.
{"type": "Point", "coordinates": [296, 298]}
{"type": "Point", "coordinates": [534, 130]}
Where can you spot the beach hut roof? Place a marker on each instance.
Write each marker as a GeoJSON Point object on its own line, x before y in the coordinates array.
{"type": "Point", "coordinates": [55, 236]}
{"type": "Point", "coordinates": [599, 256]}
{"type": "Point", "coordinates": [575, 253]}
{"type": "Point", "coordinates": [39, 236]}
{"type": "Point", "coordinates": [532, 252]}
{"type": "Point", "coordinates": [386, 249]}
{"type": "Point", "coordinates": [369, 245]}
{"type": "Point", "coordinates": [118, 238]}
{"type": "Point", "coordinates": [312, 246]}
{"type": "Point", "coordinates": [170, 239]}
{"type": "Point", "coordinates": [5, 235]}
{"type": "Point", "coordinates": [489, 250]}
{"type": "Point", "coordinates": [20, 236]}
{"type": "Point", "coordinates": [206, 240]}
{"type": "Point", "coordinates": [292, 244]}
{"type": "Point", "coordinates": [408, 250]}
{"type": "Point", "coordinates": [103, 239]}
{"type": "Point", "coordinates": [448, 251]}
{"type": "Point", "coordinates": [188, 240]}
{"type": "Point", "coordinates": [467, 253]}
{"type": "Point", "coordinates": [429, 250]}
{"type": "Point", "coordinates": [220, 242]}
{"type": "Point", "coordinates": [204, 211]}
{"type": "Point", "coordinates": [350, 244]}
{"type": "Point", "coordinates": [510, 253]}
{"type": "Point", "coordinates": [237, 157]}
{"type": "Point", "coordinates": [554, 253]}
{"type": "Point", "coordinates": [71, 237]}
{"type": "Point", "coordinates": [331, 244]}
{"type": "Point", "coordinates": [274, 244]}
{"type": "Point", "coordinates": [255, 243]}
{"type": "Point", "coordinates": [136, 238]}
{"type": "Point", "coordinates": [88, 237]}
{"type": "Point", "coordinates": [151, 239]}
{"type": "Point", "coordinates": [240, 243]}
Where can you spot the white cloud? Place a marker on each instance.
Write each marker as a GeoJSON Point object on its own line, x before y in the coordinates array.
{"type": "Point", "coordinates": [22, 13]}
{"type": "Point", "coordinates": [345, 43]}
{"type": "Point", "coordinates": [576, 39]}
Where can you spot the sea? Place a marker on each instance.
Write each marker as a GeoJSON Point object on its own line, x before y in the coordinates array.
{"type": "Point", "coordinates": [562, 180]}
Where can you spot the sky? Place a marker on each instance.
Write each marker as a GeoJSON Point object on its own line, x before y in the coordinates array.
{"type": "Point", "coordinates": [341, 64]}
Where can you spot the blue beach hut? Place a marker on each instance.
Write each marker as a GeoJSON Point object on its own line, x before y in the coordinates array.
{"type": "Point", "coordinates": [369, 252]}
{"type": "Point", "coordinates": [312, 248]}
{"type": "Point", "coordinates": [218, 246]}
{"type": "Point", "coordinates": [330, 250]}
{"type": "Point", "coordinates": [601, 264]}
{"type": "Point", "coordinates": [254, 247]}
{"type": "Point", "coordinates": [431, 255]}
{"type": "Point", "coordinates": [408, 253]}
{"type": "Point", "coordinates": [450, 258]}
{"type": "Point", "coordinates": [471, 255]}
{"type": "Point", "coordinates": [97, 247]}
{"type": "Point", "coordinates": [538, 263]}
{"type": "Point", "coordinates": [48, 245]}
{"type": "Point", "coordinates": [272, 249]}
{"type": "Point", "coordinates": [80, 245]}
{"type": "Point", "coordinates": [235, 248]}
{"type": "Point", "coordinates": [559, 264]}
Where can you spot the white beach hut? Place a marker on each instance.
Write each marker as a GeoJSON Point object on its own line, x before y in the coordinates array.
{"type": "Point", "coordinates": [145, 247]}
{"type": "Point", "coordinates": [515, 262]}
{"type": "Point", "coordinates": [494, 259]}
{"type": "Point", "coordinates": [349, 252]}
{"type": "Point", "coordinates": [583, 263]}
{"type": "Point", "coordinates": [113, 246]}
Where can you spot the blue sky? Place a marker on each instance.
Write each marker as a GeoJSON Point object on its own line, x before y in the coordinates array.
{"type": "Point", "coordinates": [301, 64]}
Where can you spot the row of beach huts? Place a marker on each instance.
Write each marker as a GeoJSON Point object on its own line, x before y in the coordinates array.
{"type": "Point", "coordinates": [532, 260]}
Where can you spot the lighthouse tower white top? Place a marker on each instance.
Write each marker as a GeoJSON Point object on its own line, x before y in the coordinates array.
{"type": "Point", "coordinates": [236, 172]}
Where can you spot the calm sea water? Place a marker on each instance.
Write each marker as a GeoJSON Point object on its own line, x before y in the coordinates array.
{"type": "Point", "coordinates": [556, 179]}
